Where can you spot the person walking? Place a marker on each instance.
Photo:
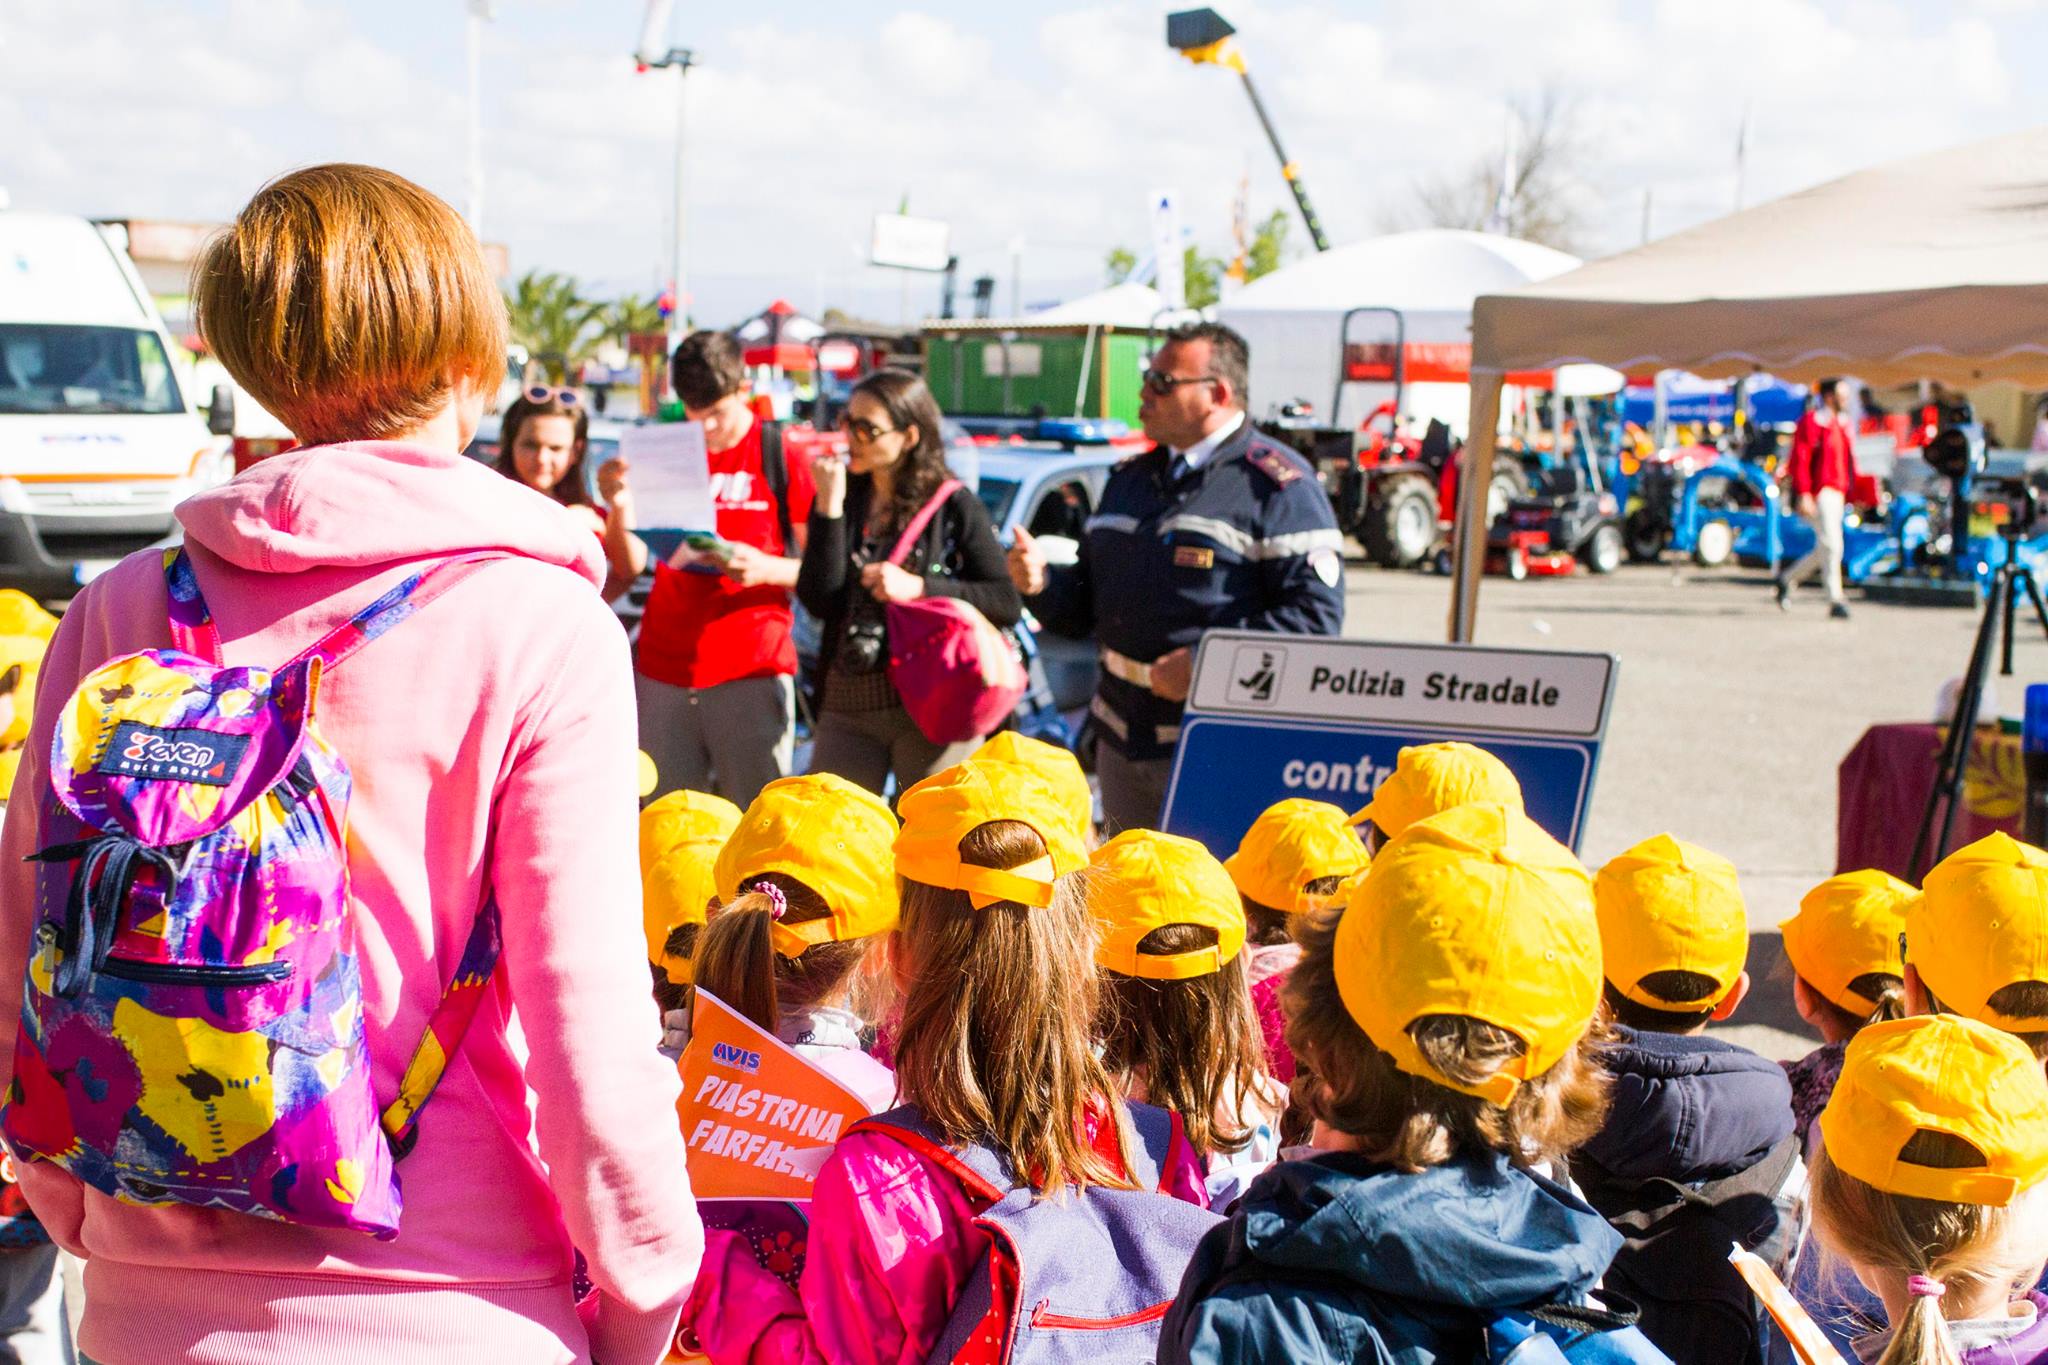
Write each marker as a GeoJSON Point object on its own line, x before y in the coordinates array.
{"type": "Point", "coordinates": [716, 662]}
{"type": "Point", "coordinates": [1214, 527]}
{"type": "Point", "coordinates": [488, 731]}
{"type": "Point", "coordinates": [1823, 475]}
{"type": "Point", "coordinates": [896, 465]}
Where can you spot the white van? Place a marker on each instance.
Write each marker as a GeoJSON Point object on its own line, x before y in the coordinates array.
{"type": "Point", "coordinates": [97, 440]}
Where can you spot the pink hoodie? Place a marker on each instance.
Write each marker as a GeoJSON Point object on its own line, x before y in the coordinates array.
{"type": "Point", "coordinates": [494, 732]}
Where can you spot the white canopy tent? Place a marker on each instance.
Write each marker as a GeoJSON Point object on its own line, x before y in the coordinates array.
{"type": "Point", "coordinates": [1933, 267]}
{"type": "Point", "coordinates": [1293, 319]}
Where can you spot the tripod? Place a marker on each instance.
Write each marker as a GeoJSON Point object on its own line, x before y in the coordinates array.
{"type": "Point", "coordinates": [2001, 605]}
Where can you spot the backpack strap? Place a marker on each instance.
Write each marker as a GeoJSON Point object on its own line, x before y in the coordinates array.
{"type": "Point", "coordinates": [1154, 1128]}
{"type": "Point", "coordinates": [775, 473]}
{"type": "Point", "coordinates": [979, 1169]}
{"type": "Point", "coordinates": [193, 630]}
{"type": "Point", "coordinates": [906, 542]}
{"type": "Point", "coordinates": [446, 1028]}
{"type": "Point", "coordinates": [408, 596]}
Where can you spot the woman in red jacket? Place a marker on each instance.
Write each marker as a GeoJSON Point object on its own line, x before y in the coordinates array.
{"type": "Point", "coordinates": [1823, 473]}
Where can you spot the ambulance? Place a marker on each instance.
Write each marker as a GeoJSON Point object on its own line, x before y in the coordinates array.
{"type": "Point", "coordinates": [98, 439]}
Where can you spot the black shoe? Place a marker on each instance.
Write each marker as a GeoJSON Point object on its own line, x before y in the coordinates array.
{"type": "Point", "coordinates": [1783, 592]}
{"type": "Point", "coordinates": [1839, 611]}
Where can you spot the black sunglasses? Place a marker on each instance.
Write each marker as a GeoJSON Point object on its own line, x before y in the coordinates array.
{"type": "Point", "coordinates": [867, 431]}
{"type": "Point", "coordinates": [1160, 385]}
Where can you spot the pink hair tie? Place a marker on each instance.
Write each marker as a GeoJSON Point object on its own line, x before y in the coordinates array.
{"type": "Point", "coordinates": [778, 904]}
{"type": "Point", "coordinates": [1925, 1287]}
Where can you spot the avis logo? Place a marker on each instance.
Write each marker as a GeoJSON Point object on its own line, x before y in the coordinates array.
{"type": "Point", "coordinates": [737, 1058]}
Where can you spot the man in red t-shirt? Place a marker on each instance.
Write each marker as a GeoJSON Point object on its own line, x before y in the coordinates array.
{"type": "Point", "coordinates": [1823, 475]}
{"type": "Point", "coordinates": [716, 662]}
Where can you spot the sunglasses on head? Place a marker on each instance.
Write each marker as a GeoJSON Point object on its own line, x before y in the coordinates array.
{"type": "Point", "coordinates": [1160, 384]}
{"type": "Point", "coordinates": [541, 393]}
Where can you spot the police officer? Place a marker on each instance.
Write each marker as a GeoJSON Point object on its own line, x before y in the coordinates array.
{"type": "Point", "coordinates": [1215, 526]}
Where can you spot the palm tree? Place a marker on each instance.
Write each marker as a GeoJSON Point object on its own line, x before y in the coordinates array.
{"type": "Point", "coordinates": [630, 315]}
{"type": "Point", "coordinates": [552, 321]}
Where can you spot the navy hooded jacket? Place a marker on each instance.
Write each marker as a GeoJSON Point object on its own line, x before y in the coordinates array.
{"type": "Point", "coordinates": [1689, 1109]}
{"type": "Point", "coordinates": [1338, 1258]}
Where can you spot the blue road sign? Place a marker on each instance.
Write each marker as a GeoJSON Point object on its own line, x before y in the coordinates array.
{"type": "Point", "coordinates": [1276, 716]}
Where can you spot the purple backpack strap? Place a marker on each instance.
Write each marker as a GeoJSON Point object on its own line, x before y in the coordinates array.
{"type": "Point", "coordinates": [192, 629]}
{"type": "Point", "coordinates": [908, 540]}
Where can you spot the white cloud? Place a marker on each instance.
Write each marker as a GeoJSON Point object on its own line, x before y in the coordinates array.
{"type": "Point", "coordinates": [1054, 131]}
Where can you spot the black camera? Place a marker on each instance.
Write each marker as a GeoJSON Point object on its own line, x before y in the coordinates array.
{"type": "Point", "coordinates": [2013, 505]}
{"type": "Point", "coordinates": [866, 646]}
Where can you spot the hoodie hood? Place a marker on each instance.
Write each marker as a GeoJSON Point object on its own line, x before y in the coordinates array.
{"type": "Point", "coordinates": [1688, 1109]}
{"type": "Point", "coordinates": [1474, 1234]}
{"type": "Point", "coordinates": [371, 503]}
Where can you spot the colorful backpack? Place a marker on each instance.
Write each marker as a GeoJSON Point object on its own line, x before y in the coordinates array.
{"type": "Point", "coordinates": [192, 1021]}
{"type": "Point", "coordinates": [1093, 1271]}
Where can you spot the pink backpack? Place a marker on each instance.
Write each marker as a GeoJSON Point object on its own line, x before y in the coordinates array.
{"type": "Point", "coordinates": [958, 675]}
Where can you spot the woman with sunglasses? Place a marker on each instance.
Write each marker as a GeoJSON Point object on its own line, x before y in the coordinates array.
{"type": "Point", "coordinates": [541, 443]}
{"type": "Point", "coordinates": [896, 462]}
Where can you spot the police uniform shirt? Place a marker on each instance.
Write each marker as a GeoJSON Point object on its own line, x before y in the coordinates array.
{"type": "Point", "coordinates": [1243, 538]}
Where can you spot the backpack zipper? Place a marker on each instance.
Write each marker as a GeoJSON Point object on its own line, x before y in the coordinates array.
{"type": "Point", "coordinates": [184, 974]}
{"type": "Point", "coordinates": [1043, 1318]}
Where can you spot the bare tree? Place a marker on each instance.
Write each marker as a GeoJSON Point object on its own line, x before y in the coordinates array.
{"type": "Point", "coordinates": [1544, 202]}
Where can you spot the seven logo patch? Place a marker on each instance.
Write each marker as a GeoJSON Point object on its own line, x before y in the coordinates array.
{"type": "Point", "coordinates": [173, 755]}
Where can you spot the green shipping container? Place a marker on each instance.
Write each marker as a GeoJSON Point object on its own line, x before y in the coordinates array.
{"type": "Point", "coordinates": [978, 371]}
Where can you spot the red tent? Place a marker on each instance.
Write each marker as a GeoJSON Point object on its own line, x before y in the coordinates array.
{"type": "Point", "coordinates": [778, 335]}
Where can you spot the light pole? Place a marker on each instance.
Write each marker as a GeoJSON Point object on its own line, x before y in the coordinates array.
{"type": "Point", "coordinates": [653, 54]}
{"type": "Point", "coordinates": [479, 15]}
{"type": "Point", "coordinates": [1204, 37]}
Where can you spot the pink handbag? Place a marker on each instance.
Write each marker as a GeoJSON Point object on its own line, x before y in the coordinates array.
{"type": "Point", "coordinates": [958, 675]}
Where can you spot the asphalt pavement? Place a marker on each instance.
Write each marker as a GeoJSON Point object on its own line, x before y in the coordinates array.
{"type": "Point", "coordinates": [1730, 717]}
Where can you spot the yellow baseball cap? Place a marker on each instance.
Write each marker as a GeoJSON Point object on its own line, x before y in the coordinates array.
{"type": "Point", "coordinates": [1291, 844]}
{"type": "Point", "coordinates": [1058, 766]}
{"type": "Point", "coordinates": [1151, 880]}
{"type": "Point", "coordinates": [1945, 1074]}
{"type": "Point", "coordinates": [1431, 778]}
{"type": "Point", "coordinates": [948, 806]}
{"type": "Point", "coordinates": [1477, 912]}
{"type": "Point", "coordinates": [1980, 925]}
{"type": "Point", "coordinates": [21, 614]}
{"type": "Point", "coordinates": [1847, 927]}
{"type": "Point", "coordinates": [828, 833]}
{"type": "Point", "coordinates": [1669, 906]}
{"type": "Point", "coordinates": [680, 836]}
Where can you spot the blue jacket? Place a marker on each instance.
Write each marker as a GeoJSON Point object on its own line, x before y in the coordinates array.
{"type": "Point", "coordinates": [1336, 1258]}
{"type": "Point", "coordinates": [1688, 1109]}
{"type": "Point", "coordinates": [1247, 539]}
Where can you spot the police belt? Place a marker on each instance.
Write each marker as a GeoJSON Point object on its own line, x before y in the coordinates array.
{"type": "Point", "coordinates": [1128, 669]}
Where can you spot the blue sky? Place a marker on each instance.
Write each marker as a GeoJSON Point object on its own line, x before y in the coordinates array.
{"type": "Point", "coordinates": [1049, 121]}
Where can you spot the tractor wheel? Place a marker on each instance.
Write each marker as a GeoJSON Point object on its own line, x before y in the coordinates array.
{"type": "Point", "coordinates": [1604, 549]}
{"type": "Point", "coordinates": [1508, 483]}
{"type": "Point", "coordinates": [1714, 545]}
{"type": "Point", "coordinates": [1646, 535]}
{"type": "Point", "coordinates": [1400, 527]}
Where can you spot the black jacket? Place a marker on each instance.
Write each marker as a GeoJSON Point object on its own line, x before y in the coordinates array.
{"type": "Point", "coordinates": [958, 555]}
{"type": "Point", "coordinates": [1247, 539]}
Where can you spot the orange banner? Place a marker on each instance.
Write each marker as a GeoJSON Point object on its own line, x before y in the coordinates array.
{"type": "Point", "coordinates": [758, 1119]}
{"type": "Point", "coordinates": [1809, 1343]}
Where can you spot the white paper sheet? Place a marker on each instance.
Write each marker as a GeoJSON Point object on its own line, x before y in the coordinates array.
{"type": "Point", "coordinates": [671, 476]}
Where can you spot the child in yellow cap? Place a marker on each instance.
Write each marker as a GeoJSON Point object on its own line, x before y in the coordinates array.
{"type": "Point", "coordinates": [1699, 1148]}
{"type": "Point", "coordinates": [1444, 1022]}
{"type": "Point", "coordinates": [995, 1059]}
{"type": "Point", "coordinates": [25, 631]}
{"type": "Point", "coordinates": [1849, 972]}
{"type": "Point", "coordinates": [1977, 939]}
{"type": "Point", "coordinates": [1177, 1025]}
{"type": "Point", "coordinates": [1057, 766]}
{"type": "Point", "coordinates": [680, 835]}
{"type": "Point", "coordinates": [1429, 779]}
{"type": "Point", "coordinates": [806, 890]}
{"type": "Point", "coordinates": [1929, 1184]}
{"type": "Point", "coordinates": [1293, 859]}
